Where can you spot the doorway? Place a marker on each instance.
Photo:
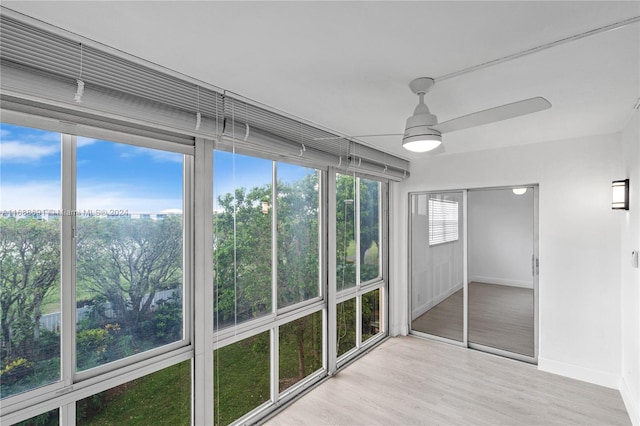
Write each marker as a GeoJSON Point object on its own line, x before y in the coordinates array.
{"type": "Point", "coordinates": [473, 268]}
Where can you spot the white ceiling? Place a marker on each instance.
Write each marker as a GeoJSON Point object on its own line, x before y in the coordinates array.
{"type": "Point", "coordinates": [347, 65]}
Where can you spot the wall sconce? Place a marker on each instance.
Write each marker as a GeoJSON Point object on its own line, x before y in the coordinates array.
{"type": "Point", "coordinates": [620, 194]}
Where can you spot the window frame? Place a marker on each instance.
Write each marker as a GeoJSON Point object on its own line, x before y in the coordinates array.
{"type": "Point", "coordinates": [74, 385]}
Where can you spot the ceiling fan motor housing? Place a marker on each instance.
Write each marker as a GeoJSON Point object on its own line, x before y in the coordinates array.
{"type": "Point", "coordinates": [418, 128]}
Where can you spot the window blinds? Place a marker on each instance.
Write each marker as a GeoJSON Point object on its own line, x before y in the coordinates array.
{"type": "Point", "coordinates": [42, 66]}
{"type": "Point", "coordinates": [443, 221]}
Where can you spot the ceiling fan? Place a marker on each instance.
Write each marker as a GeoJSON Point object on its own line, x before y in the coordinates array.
{"type": "Point", "coordinates": [423, 133]}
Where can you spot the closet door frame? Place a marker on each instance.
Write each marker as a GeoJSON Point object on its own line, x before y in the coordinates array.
{"type": "Point", "coordinates": [535, 268]}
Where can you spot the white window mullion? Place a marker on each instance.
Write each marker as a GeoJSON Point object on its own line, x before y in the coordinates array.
{"type": "Point", "coordinates": [274, 333]}
{"type": "Point", "coordinates": [67, 272]}
{"type": "Point", "coordinates": [274, 238]}
{"type": "Point", "coordinates": [356, 232]}
{"type": "Point", "coordinates": [331, 323]}
{"type": "Point", "coordinates": [203, 284]}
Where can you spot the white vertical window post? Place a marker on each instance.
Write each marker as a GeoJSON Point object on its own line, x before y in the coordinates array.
{"type": "Point", "coordinates": [202, 378]}
{"type": "Point", "coordinates": [274, 332]}
{"type": "Point", "coordinates": [68, 272]}
{"type": "Point", "coordinates": [331, 323]}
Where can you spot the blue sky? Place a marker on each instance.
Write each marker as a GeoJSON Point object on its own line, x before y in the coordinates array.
{"type": "Point", "coordinates": [112, 175]}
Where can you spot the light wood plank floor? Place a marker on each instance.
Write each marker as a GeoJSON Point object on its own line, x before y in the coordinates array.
{"type": "Point", "coordinates": [413, 381]}
{"type": "Point", "coordinates": [499, 316]}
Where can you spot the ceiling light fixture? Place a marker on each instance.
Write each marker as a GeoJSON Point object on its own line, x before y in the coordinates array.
{"type": "Point", "coordinates": [519, 191]}
{"type": "Point", "coordinates": [418, 134]}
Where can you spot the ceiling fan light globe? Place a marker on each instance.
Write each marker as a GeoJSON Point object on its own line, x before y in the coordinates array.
{"type": "Point", "coordinates": [422, 144]}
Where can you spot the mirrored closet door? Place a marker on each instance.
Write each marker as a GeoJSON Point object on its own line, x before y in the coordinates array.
{"type": "Point", "coordinates": [437, 264]}
{"type": "Point", "coordinates": [473, 268]}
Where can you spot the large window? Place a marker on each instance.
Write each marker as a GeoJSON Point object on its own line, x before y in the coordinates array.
{"type": "Point", "coordinates": [29, 259]}
{"type": "Point", "coordinates": [107, 217]}
{"type": "Point", "coordinates": [297, 200]}
{"type": "Point", "coordinates": [242, 230]}
{"type": "Point", "coordinates": [99, 280]}
{"type": "Point", "coordinates": [359, 267]}
{"type": "Point", "coordinates": [267, 251]}
{"type": "Point", "coordinates": [129, 279]}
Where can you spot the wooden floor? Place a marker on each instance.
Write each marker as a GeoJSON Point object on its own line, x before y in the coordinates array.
{"type": "Point", "coordinates": [414, 381]}
{"type": "Point", "coordinates": [499, 316]}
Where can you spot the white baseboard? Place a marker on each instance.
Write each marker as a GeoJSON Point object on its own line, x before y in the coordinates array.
{"type": "Point", "coordinates": [501, 281]}
{"type": "Point", "coordinates": [630, 402]}
{"type": "Point", "coordinates": [419, 310]}
{"type": "Point", "coordinates": [584, 374]}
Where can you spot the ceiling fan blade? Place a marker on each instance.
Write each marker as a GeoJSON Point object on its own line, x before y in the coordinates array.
{"type": "Point", "coordinates": [492, 115]}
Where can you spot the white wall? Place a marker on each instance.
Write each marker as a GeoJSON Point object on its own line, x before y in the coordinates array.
{"type": "Point", "coordinates": [579, 293]}
{"type": "Point", "coordinates": [500, 229]}
{"type": "Point", "coordinates": [630, 295]}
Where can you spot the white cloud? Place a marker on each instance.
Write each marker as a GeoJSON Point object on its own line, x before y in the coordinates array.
{"type": "Point", "coordinates": [45, 195]}
{"type": "Point", "coordinates": [21, 152]}
{"type": "Point", "coordinates": [34, 195]}
{"type": "Point", "coordinates": [107, 196]}
{"type": "Point", "coordinates": [82, 141]}
{"type": "Point", "coordinates": [154, 154]}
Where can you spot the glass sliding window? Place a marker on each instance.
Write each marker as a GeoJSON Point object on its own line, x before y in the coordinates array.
{"type": "Point", "coordinates": [300, 349]}
{"type": "Point", "coordinates": [241, 374]}
{"type": "Point", "coordinates": [369, 230]}
{"type": "Point", "coordinates": [346, 323]}
{"type": "Point", "coordinates": [345, 232]}
{"type": "Point", "coordinates": [30, 208]}
{"type": "Point", "coordinates": [298, 229]}
{"type": "Point", "coordinates": [129, 277]}
{"type": "Point", "coordinates": [371, 303]}
{"type": "Point", "coordinates": [161, 398]}
{"type": "Point", "coordinates": [242, 229]}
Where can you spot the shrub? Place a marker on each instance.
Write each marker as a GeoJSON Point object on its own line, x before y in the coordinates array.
{"type": "Point", "coordinates": [92, 345]}
{"type": "Point", "coordinates": [16, 370]}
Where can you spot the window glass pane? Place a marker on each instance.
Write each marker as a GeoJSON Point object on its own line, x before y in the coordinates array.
{"type": "Point", "coordinates": [371, 303]}
{"type": "Point", "coordinates": [29, 259]}
{"type": "Point", "coordinates": [241, 378]}
{"type": "Point", "coordinates": [369, 230]}
{"type": "Point", "coordinates": [129, 251]}
{"type": "Point", "coordinates": [300, 349]}
{"type": "Point", "coordinates": [298, 254]}
{"type": "Point", "coordinates": [242, 237]}
{"type": "Point", "coordinates": [161, 398]}
{"type": "Point", "coordinates": [345, 232]}
{"type": "Point", "coordinates": [346, 323]}
{"type": "Point", "coordinates": [50, 418]}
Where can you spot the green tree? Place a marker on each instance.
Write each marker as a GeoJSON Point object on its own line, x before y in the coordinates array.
{"type": "Point", "coordinates": [126, 261]}
{"type": "Point", "coordinates": [298, 243]}
{"type": "Point", "coordinates": [29, 270]}
{"type": "Point", "coordinates": [369, 229]}
{"type": "Point", "coordinates": [242, 255]}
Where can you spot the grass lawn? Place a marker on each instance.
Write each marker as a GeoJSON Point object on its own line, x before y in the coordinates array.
{"type": "Point", "coordinates": [161, 398]}
{"type": "Point", "coordinates": [242, 383]}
